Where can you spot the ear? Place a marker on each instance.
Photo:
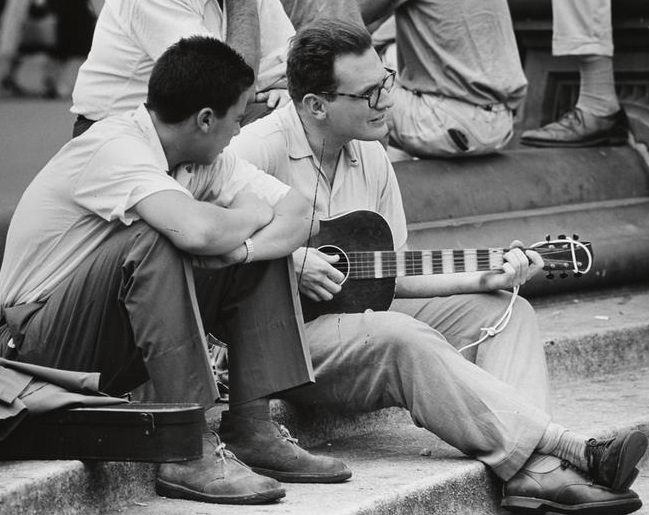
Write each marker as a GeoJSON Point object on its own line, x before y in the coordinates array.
{"type": "Point", "coordinates": [315, 105]}
{"type": "Point", "coordinates": [205, 119]}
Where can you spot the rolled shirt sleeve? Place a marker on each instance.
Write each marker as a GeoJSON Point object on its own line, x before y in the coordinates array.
{"type": "Point", "coordinates": [120, 175]}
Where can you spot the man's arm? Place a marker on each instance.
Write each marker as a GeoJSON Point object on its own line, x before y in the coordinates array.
{"type": "Point", "coordinates": [203, 228]}
{"type": "Point", "coordinates": [518, 268]}
{"type": "Point", "coordinates": [374, 10]}
{"type": "Point", "coordinates": [288, 229]}
{"type": "Point", "coordinates": [242, 20]}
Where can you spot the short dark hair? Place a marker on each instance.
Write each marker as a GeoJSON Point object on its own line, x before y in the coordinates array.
{"type": "Point", "coordinates": [310, 66]}
{"type": "Point", "coordinates": [194, 73]}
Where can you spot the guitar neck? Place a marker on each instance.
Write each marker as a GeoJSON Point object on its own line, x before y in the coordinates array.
{"type": "Point", "coordinates": [382, 264]}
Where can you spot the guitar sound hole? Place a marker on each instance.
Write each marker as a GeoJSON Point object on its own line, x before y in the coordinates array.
{"type": "Point", "coordinates": [343, 262]}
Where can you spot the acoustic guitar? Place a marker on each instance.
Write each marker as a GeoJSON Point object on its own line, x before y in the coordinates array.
{"type": "Point", "coordinates": [360, 238]}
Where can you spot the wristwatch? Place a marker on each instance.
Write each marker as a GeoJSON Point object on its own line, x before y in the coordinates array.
{"type": "Point", "coordinates": [250, 250]}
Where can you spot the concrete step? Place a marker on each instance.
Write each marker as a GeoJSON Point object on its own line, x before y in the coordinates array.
{"type": "Point", "coordinates": [597, 352]}
{"type": "Point", "coordinates": [619, 230]}
{"type": "Point", "coordinates": [404, 470]}
{"type": "Point", "coordinates": [446, 189]}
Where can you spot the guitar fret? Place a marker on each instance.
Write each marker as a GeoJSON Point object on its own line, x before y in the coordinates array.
{"type": "Point", "coordinates": [438, 266]}
{"type": "Point", "coordinates": [470, 260]}
{"type": "Point", "coordinates": [495, 258]}
{"type": "Point", "coordinates": [400, 264]}
{"type": "Point", "coordinates": [378, 264]}
{"type": "Point", "coordinates": [447, 261]}
{"type": "Point", "coordinates": [387, 264]}
{"type": "Point", "coordinates": [458, 260]}
{"type": "Point", "coordinates": [426, 262]}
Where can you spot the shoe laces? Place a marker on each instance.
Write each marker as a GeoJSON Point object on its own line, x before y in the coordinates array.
{"type": "Point", "coordinates": [565, 464]}
{"type": "Point", "coordinates": [219, 448]}
{"type": "Point", "coordinates": [594, 451]}
{"type": "Point", "coordinates": [286, 434]}
{"type": "Point", "coordinates": [574, 114]}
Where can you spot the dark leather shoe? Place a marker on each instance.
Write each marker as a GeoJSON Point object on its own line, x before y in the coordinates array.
{"type": "Point", "coordinates": [612, 462]}
{"type": "Point", "coordinates": [579, 128]}
{"type": "Point", "coordinates": [218, 477]}
{"type": "Point", "coordinates": [269, 449]}
{"type": "Point", "coordinates": [546, 483]}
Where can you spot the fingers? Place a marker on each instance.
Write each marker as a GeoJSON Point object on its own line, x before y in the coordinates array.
{"type": "Point", "coordinates": [262, 96]}
{"type": "Point", "coordinates": [516, 265]}
{"type": "Point", "coordinates": [536, 260]}
{"type": "Point", "coordinates": [273, 99]}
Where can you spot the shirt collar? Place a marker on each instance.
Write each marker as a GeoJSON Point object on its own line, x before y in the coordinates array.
{"type": "Point", "coordinates": [143, 120]}
{"type": "Point", "coordinates": [298, 145]}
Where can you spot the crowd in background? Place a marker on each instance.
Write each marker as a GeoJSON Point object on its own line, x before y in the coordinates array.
{"type": "Point", "coordinates": [50, 36]}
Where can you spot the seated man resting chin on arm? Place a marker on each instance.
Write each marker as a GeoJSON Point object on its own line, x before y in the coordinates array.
{"type": "Point", "coordinates": [97, 272]}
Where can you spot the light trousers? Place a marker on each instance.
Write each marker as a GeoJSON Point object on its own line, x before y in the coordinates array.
{"type": "Point", "coordinates": [495, 409]}
{"type": "Point", "coordinates": [426, 125]}
{"type": "Point", "coordinates": [582, 27]}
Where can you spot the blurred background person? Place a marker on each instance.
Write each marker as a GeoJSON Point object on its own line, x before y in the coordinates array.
{"type": "Point", "coordinates": [583, 28]}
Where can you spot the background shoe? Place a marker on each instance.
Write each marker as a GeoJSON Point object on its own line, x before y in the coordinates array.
{"type": "Point", "coordinates": [269, 449]}
{"type": "Point", "coordinates": [579, 128]}
{"type": "Point", "coordinates": [612, 462]}
{"type": "Point", "coordinates": [546, 483]}
{"type": "Point", "coordinates": [218, 477]}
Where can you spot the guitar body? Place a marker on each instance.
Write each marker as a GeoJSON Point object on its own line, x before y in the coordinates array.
{"type": "Point", "coordinates": [358, 230]}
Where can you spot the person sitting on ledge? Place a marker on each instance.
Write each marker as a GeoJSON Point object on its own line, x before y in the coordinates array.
{"type": "Point", "coordinates": [493, 406]}
{"type": "Point", "coordinates": [130, 36]}
{"type": "Point", "coordinates": [97, 271]}
{"type": "Point", "coordinates": [583, 28]}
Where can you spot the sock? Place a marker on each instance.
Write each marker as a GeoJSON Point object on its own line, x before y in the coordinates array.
{"type": "Point", "coordinates": [597, 85]}
{"type": "Point", "coordinates": [258, 409]}
{"type": "Point", "coordinates": [564, 444]}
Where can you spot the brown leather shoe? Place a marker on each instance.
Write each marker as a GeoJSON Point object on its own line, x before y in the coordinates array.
{"type": "Point", "coordinates": [612, 462]}
{"type": "Point", "coordinates": [218, 477]}
{"type": "Point", "coordinates": [269, 449]}
{"type": "Point", "coordinates": [548, 484]}
{"type": "Point", "coordinates": [579, 128]}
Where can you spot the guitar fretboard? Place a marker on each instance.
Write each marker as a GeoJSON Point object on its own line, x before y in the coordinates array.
{"type": "Point", "coordinates": [375, 265]}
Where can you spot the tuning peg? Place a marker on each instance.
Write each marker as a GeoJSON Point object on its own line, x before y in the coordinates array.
{"type": "Point", "coordinates": [547, 237]}
{"type": "Point", "coordinates": [575, 237]}
{"type": "Point", "coordinates": [577, 275]}
{"type": "Point", "coordinates": [550, 275]}
{"type": "Point", "coordinates": [563, 275]}
{"type": "Point", "coordinates": [561, 237]}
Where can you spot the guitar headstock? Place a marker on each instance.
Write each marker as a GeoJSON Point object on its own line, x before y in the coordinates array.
{"type": "Point", "coordinates": [565, 255]}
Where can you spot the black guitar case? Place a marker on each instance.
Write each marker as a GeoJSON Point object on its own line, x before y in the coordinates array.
{"type": "Point", "coordinates": [124, 432]}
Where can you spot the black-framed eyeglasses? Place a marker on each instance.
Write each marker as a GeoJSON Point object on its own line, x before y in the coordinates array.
{"type": "Point", "coordinates": [373, 96]}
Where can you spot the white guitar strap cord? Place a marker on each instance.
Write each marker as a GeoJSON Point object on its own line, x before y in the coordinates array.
{"type": "Point", "coordinates": [501, 324]}
{"type": "Point", "coordinates": [313, 210]}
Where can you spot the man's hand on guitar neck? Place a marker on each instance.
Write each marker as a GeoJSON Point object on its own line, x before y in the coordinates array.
{"type": "Point", "coordinates": [318, 279]}
{"type": "Point", "coordinates": [520, 265]}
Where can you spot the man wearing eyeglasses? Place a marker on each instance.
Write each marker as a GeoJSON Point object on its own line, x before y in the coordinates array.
{"type": "Point", "coordinates": [325, 145]}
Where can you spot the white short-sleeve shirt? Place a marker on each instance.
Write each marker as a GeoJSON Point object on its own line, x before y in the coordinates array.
{"type": "Point", "coordinates": [364, 176]}
{"type": "Point", "coordinates": [131, 35]}
{"type": "Point", "coordinates": [88, 189]}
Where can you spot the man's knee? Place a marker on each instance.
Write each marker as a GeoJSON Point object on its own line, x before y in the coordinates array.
{"type": "Point", "coordinates": [404, 341]}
